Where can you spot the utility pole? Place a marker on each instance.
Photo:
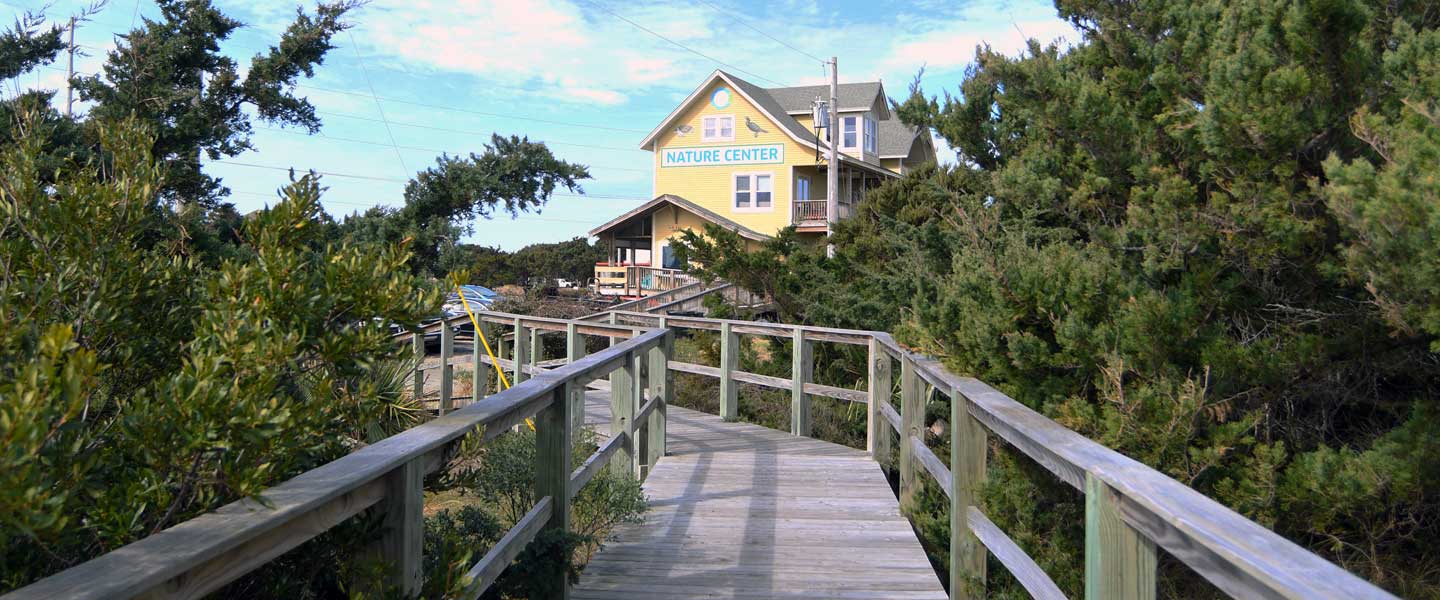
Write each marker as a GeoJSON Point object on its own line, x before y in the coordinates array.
{"type": "Point", "coordinates": [70, 70]}
{"type": "Point", "coordinates": [832, 170]}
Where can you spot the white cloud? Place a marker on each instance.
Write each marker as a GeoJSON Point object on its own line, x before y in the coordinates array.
{"type": "Point", "coordinates": [954, 45]}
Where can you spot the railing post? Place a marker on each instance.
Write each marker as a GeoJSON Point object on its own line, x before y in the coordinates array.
{"type": "Point", "coordinates": [418, 344]}
{"type": "Point", "coordinates": [802, 370]}
{"type": "Point", "coordinates": [1119, 562]}
{"type": "Point", "coordinates": [662, 386]}
{"type": "Point", "coordinates": [878, 429]}
{"type": "Point", "coordinates": [537, 347]}
{"type": "Point", "coordinates": [522, 351]}
{"type": "Point", "coordinates": [622, 416]}
{"type": "Point", "coordinates": [729, 360]}
{"type": "Point", "coordinates": [968, 448]}
{"type": "Point", "coordinates": [480, 379]}
{"type": "Point", "coordinates": [503, 351]}
{"type": "Point", "coordinates": [575, 350]}
{"type": "Point", "coordinates": [403, 525]}
{"type": "Point", "coordinates": [552, 474]}
{"type": "Point", "coordinates": [447, 370]}
{"type": "Point", "coordinates": [612, 322]}
{"type": "Point", "coordinates": [642, 438]}
{"type": "Point", "coordinates": [912, 419]}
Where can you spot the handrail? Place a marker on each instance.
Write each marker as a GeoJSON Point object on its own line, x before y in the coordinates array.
{"type": "Point", "coordinates": [204, 553]}
{"type": "Point", "coordinates": [1239, 556]}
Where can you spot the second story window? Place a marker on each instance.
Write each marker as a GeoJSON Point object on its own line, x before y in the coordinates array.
{"type": "Point", "coordinates": [753, 191]}
{"type": "Point", "coordinates": [717, 128]}
{"type": "Point", "coordinates": [850, 133]}
{"type": "Point", "coordinates": [872, 135]}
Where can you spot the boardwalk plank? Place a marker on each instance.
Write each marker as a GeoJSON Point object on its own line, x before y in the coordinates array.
{"type": "Point", "coordinates": [745, 512]}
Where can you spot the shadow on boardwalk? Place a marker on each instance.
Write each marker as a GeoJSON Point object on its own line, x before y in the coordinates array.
{"type": "Point", "coordinates": [743, 511]}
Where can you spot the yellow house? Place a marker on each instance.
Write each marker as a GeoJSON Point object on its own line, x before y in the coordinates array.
{"type": "Point", "coordinates": [748, 159]}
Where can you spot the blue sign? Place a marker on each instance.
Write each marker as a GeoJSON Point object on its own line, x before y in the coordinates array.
{"type": "Point", "coordinates": [759, 154]}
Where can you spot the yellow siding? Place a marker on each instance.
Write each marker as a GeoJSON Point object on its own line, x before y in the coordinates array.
{"type": "Point", "coordinates": [712, 186]}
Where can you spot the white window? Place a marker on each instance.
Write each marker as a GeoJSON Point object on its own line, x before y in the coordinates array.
{"type": "Point", "coordinates": [872, 135]}
{"type": "Point", "coordinates": [850, 133]}
{"type": "Point", "coordinates": [754, 191]}
{"type": "Point", "coordinates": [802, 188]}
{"type": "Point", "coordinates": [717, 128]}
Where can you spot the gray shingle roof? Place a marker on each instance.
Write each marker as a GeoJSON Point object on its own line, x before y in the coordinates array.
{"type": "Point", "coordinates": [768, 104]}
{"type": "Point", "coordinates": [895, 138]}
{"type": "Point", "coordinates": [694, 208]}
{"type": "Point", "coordinates": [848, 95]}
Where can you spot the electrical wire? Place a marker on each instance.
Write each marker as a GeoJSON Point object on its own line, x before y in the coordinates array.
{"type": "Point", "coordinates": [756, 30]}
{"type": "Point", "coordinates": [680, 45]}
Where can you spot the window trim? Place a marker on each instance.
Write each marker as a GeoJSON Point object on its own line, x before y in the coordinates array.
{"type": "Point", "coordinates": [754, 189]}
{"type": "Point", "coordinates": [871, 143]}
{"type": "Point", "coordinates": [859, 133]}
{"type": "Point", "coordinates": [716, 119]}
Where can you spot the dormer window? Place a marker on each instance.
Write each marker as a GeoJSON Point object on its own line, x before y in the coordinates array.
{"type": "Point", "coordinates": [850, 133]}
{"type": "Point", "coordinates": [717, 128]}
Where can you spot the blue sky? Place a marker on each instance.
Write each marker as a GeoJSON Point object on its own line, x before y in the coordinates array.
{"type": "Point", "coordinates": [446, 74]}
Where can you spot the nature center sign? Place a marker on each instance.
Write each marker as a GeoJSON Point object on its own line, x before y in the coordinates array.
{"type": "Point", "coordinates": [758, 154]}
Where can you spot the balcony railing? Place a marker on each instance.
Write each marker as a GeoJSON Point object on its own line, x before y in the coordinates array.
{"type": "Point", "coordinates": [809, 212]}
{"type": "Point", "coordinates": [637, 280]}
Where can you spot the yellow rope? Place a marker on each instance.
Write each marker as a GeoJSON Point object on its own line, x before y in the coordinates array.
{"type": "Point", "coordinates": [480, 335]}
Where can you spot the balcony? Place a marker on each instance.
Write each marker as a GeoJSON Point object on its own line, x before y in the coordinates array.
{"type": "Point", "coordinates": [636, 281]}
{"type": "Point", "coordinates": [808, 213]}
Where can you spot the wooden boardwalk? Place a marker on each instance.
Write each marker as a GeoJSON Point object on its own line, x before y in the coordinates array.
{"type": "Point", "coordinates": [743, 511]}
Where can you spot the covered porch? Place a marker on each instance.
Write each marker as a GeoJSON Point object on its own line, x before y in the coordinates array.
{"type": "Point", "coordinates": [640, 259]}
{"type": "Point", "coordinates": [807, 209]}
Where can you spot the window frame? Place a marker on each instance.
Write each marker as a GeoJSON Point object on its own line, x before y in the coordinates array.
{"type": "Point", "coordinates": [717, 119]}
{"type": "Point", "coordinates": [872, 136]}
{"type": "Point", "coordinates": [799, 179]}
{"type": "Point", "coordinates": [752, 191]}
{"type": "Point", "coordinates": [845, 121]}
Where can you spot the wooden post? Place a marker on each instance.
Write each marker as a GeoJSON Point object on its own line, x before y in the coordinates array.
{"type": "Point", "coordinates": [504, 352]}
{"type": "Point", "coordinates": [662, 386]}
{"type": "Point", "coordinates": [878, 429]}
{"type": "Point", "coordinates": [447, 370]}
{"type": "Point", "coordinates": [418, 343]}
{"type": "Point", "coordinates": [968, 447]}
{"type": "Point", "coordinates": [802, 370]}
{"type": "Point", "coordinates": [640, 431]}
{"type": "Point", "coordinates": [403, 524]}
{"type": "Point", "coordinates": [537, 347]}
{"type": "Point", "coordinates": [612, 322]}
{"type": "Point", "coordinates": [480, 380]}
{"type": "Point", "coordinates": [912, 419]}
{"type": "Point", "coordinates": [729, 361]}
{"type": "Point", "coordinates": [575, 350]}
{"type": "Point", "coordinates": [622, 416]}
{"type": "Point", "coordinates": [522, 340]}
{"type": "Point", "coordinates": [1119, 562]}
{"type": "Point", "coordinates": [552, 473]}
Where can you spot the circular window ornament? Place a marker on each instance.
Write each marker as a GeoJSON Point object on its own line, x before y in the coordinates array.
{"type": "Point", "coordinates": [721, 98]}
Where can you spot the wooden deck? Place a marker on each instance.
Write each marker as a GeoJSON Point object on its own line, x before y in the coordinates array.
{"type": "Point", "coordinates": [743, 511]}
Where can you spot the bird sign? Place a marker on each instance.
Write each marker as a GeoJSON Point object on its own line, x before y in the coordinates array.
{"type": "Point", "coordinates": [754, 127]}
{"type": "Point", "coordinates": [683, 130]}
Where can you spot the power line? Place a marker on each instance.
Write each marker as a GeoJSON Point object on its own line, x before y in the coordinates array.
{"type": "Point", "coordinates": [470, 111]}
{"type": "Point", "coordinates": [418, 148]}
{"type": "Point", "coordinates": [680, 45]}
{"type": "Point", "coordinates": [476, 133]}
{"type": "Point", "coordinates": [378, 106]}
{"type": "Point", "coordinates": [527, 216]}
{"type": "Point", "coordinates": [226, 161]}
{"type": "Point", "coordinates": [756, 30]}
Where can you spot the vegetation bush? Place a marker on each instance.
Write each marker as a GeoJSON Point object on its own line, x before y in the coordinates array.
{"type": "Point", "coordinates": [1203, 236]}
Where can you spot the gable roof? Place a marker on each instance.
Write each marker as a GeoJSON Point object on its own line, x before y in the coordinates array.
{"type": "Point", "coordinates": [754, 94]}
{"type": "Point", "coordinates": [692, 207]}
{"type": "Point", "coordinates": [850, 96]}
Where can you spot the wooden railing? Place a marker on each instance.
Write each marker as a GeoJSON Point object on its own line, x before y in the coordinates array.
{"type": "Point", "coordinates": [199, 556]}
{"type": "Point", "coordinates": [1131, 510]}
{"type": "Point", "coordinates": [638, 280]}
{"type": "Point", "coordinates": [809, 212]}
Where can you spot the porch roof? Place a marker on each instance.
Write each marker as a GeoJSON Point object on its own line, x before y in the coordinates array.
{"type": "Point", "coordinates": [691, 207]}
